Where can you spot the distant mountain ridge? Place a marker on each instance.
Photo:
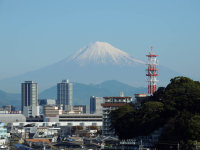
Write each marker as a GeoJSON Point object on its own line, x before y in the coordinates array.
{"type": "Point", "coordinates": [10, 99]}
{"type": "Point", "coordinates": [81, 92]}
{"type": "Point", "coordinates": [95, 63]}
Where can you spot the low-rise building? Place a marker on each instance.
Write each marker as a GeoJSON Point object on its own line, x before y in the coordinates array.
{"type": "Point", "coordinates": [8, 108]}
{"type": "Point", "coordinates": [141, 97]}
{"type": "Point", "coordinates": [3, 133]}
{"type": "Point", "coordinates": [10, 118]}
{"type": "Point", "coordinates": [45, 102]}
{"type": "Point", "coordinates": [82, 108]}
{"type": "Point", "coordinates": [81, 119]}
{"type": "Point", "coordinates": [51, 113]}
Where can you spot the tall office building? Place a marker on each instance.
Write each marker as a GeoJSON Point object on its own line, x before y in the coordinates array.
{"type": "Point", "coordinates": [95, 105]}
{"type": "Point", "coordinates": [65, 95]}
{"type": "Point", "coordinates": [29, 95]}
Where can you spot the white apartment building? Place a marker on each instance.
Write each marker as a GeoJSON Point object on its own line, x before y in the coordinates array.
{"type": "Point", "coordinates": [112, 103]}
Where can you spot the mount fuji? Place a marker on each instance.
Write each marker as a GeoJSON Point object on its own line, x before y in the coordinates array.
{"type": "Point", "coordinates": [95, 63]}
{"type": "Point", "coordinates": [103, 53]}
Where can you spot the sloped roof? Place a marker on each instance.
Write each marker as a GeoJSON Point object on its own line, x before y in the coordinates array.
{"type": "Point", "coordinates": [38, 140]}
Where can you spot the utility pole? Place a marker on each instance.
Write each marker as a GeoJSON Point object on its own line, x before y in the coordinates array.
{"type": "Point", "coordinates": [178, 146]}
{"type": "Point", "coordinates": [141, 146]}
{"type": "Point", "coordinates": [196, 144]}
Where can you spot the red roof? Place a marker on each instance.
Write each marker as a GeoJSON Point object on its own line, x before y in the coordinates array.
{"type": "Point", "coordinates": [151, 55]}
{"type": "Point", "coordinates": [113, 104]}
{"type": "Point", "coordinates": [119, 97]}
{"type": "Point", "coordinates": [38, 140]}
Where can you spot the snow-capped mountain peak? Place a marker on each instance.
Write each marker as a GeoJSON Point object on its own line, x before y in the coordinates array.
{"type": "Point", "coordinates": [102, 53]}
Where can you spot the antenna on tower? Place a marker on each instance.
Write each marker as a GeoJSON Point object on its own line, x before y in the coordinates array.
{"type": "Point", "coordinates": [151, 52]}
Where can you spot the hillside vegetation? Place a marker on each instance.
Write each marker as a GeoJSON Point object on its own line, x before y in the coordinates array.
{"type": "Point", "coordinates": [175, 108]}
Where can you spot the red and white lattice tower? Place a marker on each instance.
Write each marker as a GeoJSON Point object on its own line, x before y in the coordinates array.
{"type": "Point", "coordinates": [152, 72]}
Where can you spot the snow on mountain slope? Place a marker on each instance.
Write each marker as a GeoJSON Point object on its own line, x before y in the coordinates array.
{"type": "Point", "coordinates": [102, 53]}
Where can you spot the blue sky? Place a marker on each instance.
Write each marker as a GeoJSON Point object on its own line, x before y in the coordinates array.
{"type": "Point", "coordinates": [37, 33]}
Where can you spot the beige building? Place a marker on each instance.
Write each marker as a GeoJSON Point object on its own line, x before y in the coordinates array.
{"type": "Point", "coordinates": [51, 113]}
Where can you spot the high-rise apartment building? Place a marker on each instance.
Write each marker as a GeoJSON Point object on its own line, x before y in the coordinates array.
{"type": "Point", "coordinates": [110, 104]}
{"type": "Point", "coordinates": [65, 95]}
{"type": "Point", "coordinates": [95, 105]}
{"type": "Point", "coordinates": [29, 96]}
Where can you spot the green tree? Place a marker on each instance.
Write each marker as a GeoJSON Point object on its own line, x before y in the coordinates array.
{"type": "Point", "coordinates": [130, 122]}
{"type": "Point", "coordinates": [121, 120]}
{"type": "Point", "coordinates": [174, 108]}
